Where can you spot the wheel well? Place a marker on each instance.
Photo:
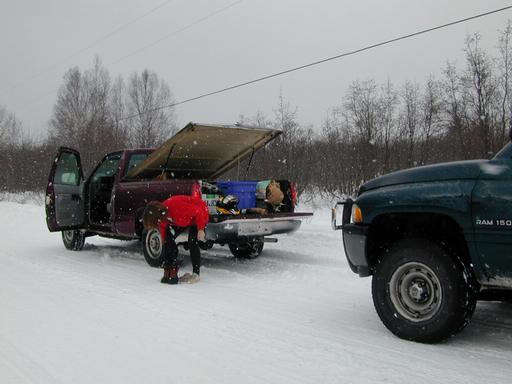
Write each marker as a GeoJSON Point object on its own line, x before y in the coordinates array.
{"type": "Point", "coordinates": [388, 229]}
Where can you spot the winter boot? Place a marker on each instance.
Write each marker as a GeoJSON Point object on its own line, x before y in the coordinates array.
{"type": "Point", "coordinates": [189, 278]}
{"type": "Point", "coordinates": [170, 275]}
{"type": "Point", "coordinates": [165, 278]}
{"type": "Point", "coordinates": [183, 278]}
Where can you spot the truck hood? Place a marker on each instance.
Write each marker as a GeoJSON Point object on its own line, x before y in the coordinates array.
{"type": "Point", "coordinates": [459, 170]}
{"type": "Point", "coordinates": [204, 151]}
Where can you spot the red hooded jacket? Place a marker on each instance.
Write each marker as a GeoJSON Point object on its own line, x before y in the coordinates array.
{"type": "Point", "coordinates": [184, 211]}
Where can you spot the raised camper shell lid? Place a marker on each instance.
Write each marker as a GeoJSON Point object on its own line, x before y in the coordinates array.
{"type": "Point", "coordinates": [205, 151]}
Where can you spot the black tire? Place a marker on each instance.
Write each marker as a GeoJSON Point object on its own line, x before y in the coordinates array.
{"type": "Point", "coordinates": [73, 239]}
{"type": "Point", "coordinates": [248, 250]}
{"type": "Point", "coordinates": [421, 292]}
{"type": "Point", "coordinates": [152, 247]}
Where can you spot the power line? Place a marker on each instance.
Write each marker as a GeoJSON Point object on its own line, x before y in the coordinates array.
{"type": "Point", "coordinates": [188, 26]}
{"type": "Point", "coordinates": [341, 55]}
{"type": "Point", "coordinates": [89, 46]}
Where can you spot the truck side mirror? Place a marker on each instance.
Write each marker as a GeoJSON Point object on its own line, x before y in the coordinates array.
{"type": "Point", "coordinates": [334, 218]}
{"type": "Point", "coordinates": [341, 210]}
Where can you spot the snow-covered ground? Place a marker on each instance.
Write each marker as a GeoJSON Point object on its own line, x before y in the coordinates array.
{"type": "Point", "coordinates": [297, 314]}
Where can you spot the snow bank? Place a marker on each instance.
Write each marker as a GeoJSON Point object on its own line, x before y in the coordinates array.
{"type": "Point", "coordinates": [34, 198]}
{"type": "Point", "coordinates": [296, 314]}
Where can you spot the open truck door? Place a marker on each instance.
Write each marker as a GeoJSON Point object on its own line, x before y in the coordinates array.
{"type": "Point", "coordinates": [64, 200]}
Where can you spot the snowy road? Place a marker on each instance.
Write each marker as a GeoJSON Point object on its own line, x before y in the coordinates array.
{"type": "Point", "coordinates": [297, 314]}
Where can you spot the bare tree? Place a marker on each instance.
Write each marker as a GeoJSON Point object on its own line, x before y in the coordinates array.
{"type": "Point", "coordinates": [82, 116]}
{"type": "Point", "coordinates": [10, 129]}
{"type": "Point", "coordinates": [505, 68]}
{"type": "Point", "coordinates": [147, 99]}
{"type": "Point", "coordinates": [458, 132]}
{"type": "Point", "coordinates": [335, 173]}
{"type": "Point", "coordinates": [294, 145]}
{"type": "Point", "coordinates": [117, 106]}
{"type": "Point", "coordinates": [388, 101]}
{"type": "Point", "coordinates": [362, 104]}
{"type": "Point", "coordinates": [362, 109]}
{"type": "Point", "coordinates": [19, 156]}
{"type": "Point", "coordinates": [431, 107]}
{"type": "Point", "coordinates": [285, 119]}
{"type": "Point", "coordinates": [479, 91]}
{"type": "Point", "coordinates": [409, 120]}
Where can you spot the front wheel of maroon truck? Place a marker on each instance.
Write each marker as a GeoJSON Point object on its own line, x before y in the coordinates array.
{"type": "Point", "coordinates": [73, 239]}
{"type": "Point", "coordinates": [152, 247]}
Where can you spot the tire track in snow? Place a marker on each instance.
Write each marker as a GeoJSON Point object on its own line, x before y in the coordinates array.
{"type": "Point", "coordinates": [18, 367]}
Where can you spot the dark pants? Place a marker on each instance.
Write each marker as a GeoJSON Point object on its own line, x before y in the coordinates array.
{"type": "Point", "coordinates": [195, 252]}
{"type": "Point", "coordinates": [170, 249]}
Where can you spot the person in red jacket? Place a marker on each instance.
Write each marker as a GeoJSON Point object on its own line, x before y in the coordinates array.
{"type": "Point", "coordinates": [170, 217]}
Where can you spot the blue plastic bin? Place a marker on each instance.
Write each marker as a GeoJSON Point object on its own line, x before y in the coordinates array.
{"type": "Point", "coordinates": [244, 190]}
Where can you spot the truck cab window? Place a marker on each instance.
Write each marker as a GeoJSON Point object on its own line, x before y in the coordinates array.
{"type": "Point", "coordinates": [108, 168]}
{"type": "Point", "coordinates": [134, 161]}
{"type": "Point", "coordinates": [67, 171]}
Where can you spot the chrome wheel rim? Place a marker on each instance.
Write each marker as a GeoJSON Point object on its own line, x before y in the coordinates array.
{"type": "Point", "coordinates": [154, 244]}
{"type": "Point", "coordinates": [68, 236]}
{"type": "Point", "coordinates": [415, 291]}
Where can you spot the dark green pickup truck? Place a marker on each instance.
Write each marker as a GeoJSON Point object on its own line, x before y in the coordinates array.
{"type": "Point", "coordinates": [435, 239]}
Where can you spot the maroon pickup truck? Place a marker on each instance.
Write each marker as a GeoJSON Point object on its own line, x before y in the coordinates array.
{"type": "Point", "coordinates": [111, 200]}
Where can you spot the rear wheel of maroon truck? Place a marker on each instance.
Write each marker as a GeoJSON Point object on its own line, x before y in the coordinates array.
{"type": "Point", "coordinates": [247, 250]}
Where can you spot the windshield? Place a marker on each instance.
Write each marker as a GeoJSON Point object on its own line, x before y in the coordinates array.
{"type": "Point", "coordinates": [505, 152]}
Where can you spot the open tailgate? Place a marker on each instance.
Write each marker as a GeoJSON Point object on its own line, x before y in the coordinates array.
{"type": "Point", "coordinates": [204, 151]}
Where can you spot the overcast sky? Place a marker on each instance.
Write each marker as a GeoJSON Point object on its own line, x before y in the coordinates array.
{"type": "Point", "coordinates": [199, 46]}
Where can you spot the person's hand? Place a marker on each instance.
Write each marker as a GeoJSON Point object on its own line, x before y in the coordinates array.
{"type": "Point", "coordinates": [201, 236]}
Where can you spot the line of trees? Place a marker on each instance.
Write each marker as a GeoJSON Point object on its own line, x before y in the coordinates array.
{"type": "Point", "coordinates": [376, 128]}
{"type": "Point", "coordinates": [89, 115]}
{"type": "Point", "coordinates": [91, 108]}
